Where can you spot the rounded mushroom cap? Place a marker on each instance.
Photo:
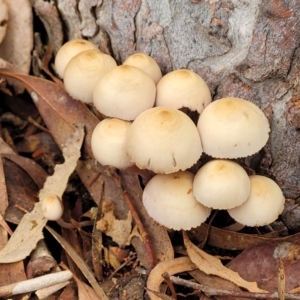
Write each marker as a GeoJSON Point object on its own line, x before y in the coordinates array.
{"type": "Point", "coordinates": [83, 72]}
{"type": "Point", "coordinates": [264, 204]}
{"type": "Point", "coordinates": [183, 88]}
{"type": "Point", "coordinates": [145, 63]}
{"type": "Point", "coordinates": [107, 143]}
{"type": "Point", "coordinates": [169, 200]}
{"type": "Point", "coordinates": [68, 51]}
{"type": "Point", "coordinates": [164, 140]}
{"type": "Point", "coordinates": [52, 207]}
{"type": "Point", "coordinates": [124, 93]}
{"type": "Point", "coordinates": [221, 184]}
{"type": "Point", "coordinates": [233, 128]}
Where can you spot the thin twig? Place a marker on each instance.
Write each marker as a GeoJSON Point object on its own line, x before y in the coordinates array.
{"type": "Point", "coordinates": [209, 291]}
{"type": "Point", "coordinates": [142, 229]}
{"type": "Point", "coordinates": [166, 277]}
{"type": "Point", "coordinates": [125, 263]}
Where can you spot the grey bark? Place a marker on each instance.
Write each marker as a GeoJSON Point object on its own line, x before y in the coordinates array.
{"type": "Point", "coordinates": [248, 49]}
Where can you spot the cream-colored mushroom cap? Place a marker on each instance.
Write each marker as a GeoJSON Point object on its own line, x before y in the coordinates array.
{"type": "Point", "coordinates": [233, 128]}
{"type": "Point", "coordinates": [164, 140]}
{"type": "Point", "coordinates": [221, 184]}
{"type": "Point", "coordinates": [124, 93]}
{"type": "Point", "coordinates": [183, 88]}
{"type": "Point", "coordinates": [146, 63]}
{"type": "Point", "coordinates": [107, 143]}
{"type": "Point", "coordinates": [52, 207]}
{"type": "Point", "coordinates": [264, 204]}
{"type": "Point", "coordinates": [68, 51]}
{"type": "Point", "coordinates": [83, 72]}
{"type": "Point", "coordinates": [169, 200]}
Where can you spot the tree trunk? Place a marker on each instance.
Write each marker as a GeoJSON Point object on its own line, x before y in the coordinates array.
{"type": "Point", "coordinates": [247, 49]}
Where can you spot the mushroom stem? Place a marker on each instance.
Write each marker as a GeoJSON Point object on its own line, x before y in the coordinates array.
{"type": "Point", "coordinates": [142, 229]}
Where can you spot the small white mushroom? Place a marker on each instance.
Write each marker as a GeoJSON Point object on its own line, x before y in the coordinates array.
{"type": "Point", "coordinates": [183, 88]}
{"type": "Point", "coordinates": [68, 51]}
{"type": "Point", "coordinates": [163, 140]}
{"type": "Point", "coordinates": [264, 204]}
{"type": "Point", "coordinates": [107, 143]}
{"type": "Point", "coordinates": [146, 64]}
{"type": "Point", "coordinates": [233, 128]}
{"type": "Point", "coordinates": [169, 200]}
{"type": "Point", "coordinates": [52, 207]}
{"type": "Point", "coordinates": [83, 72]}
{"type": "Point", "coordinates": [221, 184]}
{"type": "Point", "coordinates": [124, 93]}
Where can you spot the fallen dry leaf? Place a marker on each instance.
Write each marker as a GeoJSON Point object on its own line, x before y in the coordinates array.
{"type": "Point", "coordinates": [18, 42]}
{"type": "Point", "coordinates": [226, 239]}
{"type": "Point", "coordinates": [118, 230]}
{"type": "Point", "coordinates": [33, 223]}
{"type": "Point", "coordinates": [262, 263]}
{"type": "Point", "coordinates": [60, 112]}
{"type": "Point", "coordinates": [212, 266]}
{"type": "Point", "coordinates": [172, 266]}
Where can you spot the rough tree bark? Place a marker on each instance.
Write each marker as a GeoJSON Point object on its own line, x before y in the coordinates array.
{"type": "Point", "coordinates": [248, 49]}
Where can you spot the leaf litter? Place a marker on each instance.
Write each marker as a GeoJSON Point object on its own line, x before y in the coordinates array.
{"type": "Point", "coordinates": [33, 223]}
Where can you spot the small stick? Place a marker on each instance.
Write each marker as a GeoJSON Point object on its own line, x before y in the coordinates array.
{"type": "Point", "coordinates": [37, 125]}
{"type": "Point", "coordinates": [130, 258]}
{"type": "Point", "coordinates": [209, 291]}
{"type": "Point", "coordinates": [143, 232]}
{"type": "Point", "coordinates": [34, 284]}
{"type": "Point", "coordinates": [166, 277]}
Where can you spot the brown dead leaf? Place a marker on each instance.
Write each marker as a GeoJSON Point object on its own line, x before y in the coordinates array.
{"type": "Point", "coordinates": [33, 223]}
{"type": "Point", "coordinates": [60, 112]}
{"type": "Point", "coordinates": [18, 42]}
{"type": "Point", "coordinates": [262, 263]}
{"type": "Point", "coordinates": [231, 240]}
{"type": "Point", "coordinates": [212, 266]}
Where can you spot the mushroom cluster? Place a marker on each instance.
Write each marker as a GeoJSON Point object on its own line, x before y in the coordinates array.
{"type": "Point", "coordinates": [145, 126]}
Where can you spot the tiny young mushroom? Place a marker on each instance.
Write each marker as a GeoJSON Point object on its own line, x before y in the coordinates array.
{"type": "Point", "coordinates": [146, 64]}
{"type": "Point", "coordinates": [264, 204]}
{"type": "Point", "coordinates": [221, 184]}
{"type": "Point", "coordinates": [163, 140]}
{"type": "Point", "coordinates": [83, 72]}
{"type": "Point", "coordinates": [68, 51]}
{"type": "Point", "coordinates": [107, 143]}
{"type": "Point", "coordinates": [124, 93]}
{"type": "Point", "coordinates": [183, 88]}
{"type": "Point", "coordinates": [233, 128]}
{"type": "Point", "coordinates": [52, 207]}
{"type": "Point", "coordinates": [169, 200]}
